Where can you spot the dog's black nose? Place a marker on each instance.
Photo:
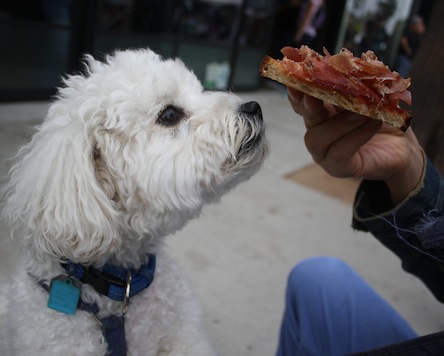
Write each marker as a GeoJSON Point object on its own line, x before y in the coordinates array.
{"type": "Point", "coordinates": [252, 108]}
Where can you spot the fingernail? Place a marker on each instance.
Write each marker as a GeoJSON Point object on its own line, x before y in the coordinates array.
{"type": "Point", "coordinates": [294, 95]}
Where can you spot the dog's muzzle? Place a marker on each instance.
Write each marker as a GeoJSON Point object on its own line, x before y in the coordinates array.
{"type": "Point", "coordinates": [251, 114]}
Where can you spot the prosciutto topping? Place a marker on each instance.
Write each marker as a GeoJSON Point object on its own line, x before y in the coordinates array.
{"type": "Point", "coordinates": [366, 77]}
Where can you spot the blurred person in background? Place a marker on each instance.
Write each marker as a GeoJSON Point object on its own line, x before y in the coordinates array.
{"type": "Point", "coordinates": [287, 15]}
{"type": "Point", "coordinates": [311, 19]}
{"type": "Point", "coordinates": [409, 44]}
{"type": "Point", "coordinates": [297, 23]}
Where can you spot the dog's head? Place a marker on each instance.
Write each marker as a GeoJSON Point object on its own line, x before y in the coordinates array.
{"type": "Point", "coordinates": [131, 150]}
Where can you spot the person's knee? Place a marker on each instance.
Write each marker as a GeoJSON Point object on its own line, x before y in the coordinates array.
{"type": "Point", "coordinates": [317, 273]}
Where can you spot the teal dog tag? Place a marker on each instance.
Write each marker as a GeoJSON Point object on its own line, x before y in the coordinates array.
{"type": "Point", "coordinates": [64, 295]}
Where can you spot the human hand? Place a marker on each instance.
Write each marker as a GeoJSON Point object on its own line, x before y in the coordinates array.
{"type": "Point", "coordinates": [346, 144]}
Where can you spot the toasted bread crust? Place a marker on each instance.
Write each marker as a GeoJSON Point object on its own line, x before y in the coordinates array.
{"type": "Point", "coordinates": [396, 117]}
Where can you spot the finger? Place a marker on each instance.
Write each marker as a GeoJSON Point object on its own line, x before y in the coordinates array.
{"type": "Point", "coordinates": [311, 109]}
{"type": "Point", "coordinates": [333, 109]}
{"type": "Point", "coordinates": [314, 110]}
{"type": "Point", "coordinates": [294, 96]}
{"type": "Point", "coordinates": [319, 139]}
{"type": "Point", "coordinates": [342, 159]}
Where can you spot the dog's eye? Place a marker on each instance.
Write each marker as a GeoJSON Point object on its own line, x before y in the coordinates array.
{"type": "Point", "coordinates": [170, 116]}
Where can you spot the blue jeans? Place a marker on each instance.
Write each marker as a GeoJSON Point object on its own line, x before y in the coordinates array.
{"type": "Point", "coordinates": [403, 65]}
{"type": "Point", "coordinates": [330, 310]}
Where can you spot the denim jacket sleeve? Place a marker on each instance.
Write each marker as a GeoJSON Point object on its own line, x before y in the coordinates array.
{"type": "Point", "coordinates": [413, 230]}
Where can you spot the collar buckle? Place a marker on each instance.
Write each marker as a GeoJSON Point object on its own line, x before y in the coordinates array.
{"type": "Point", "coordinates": [101, 280]}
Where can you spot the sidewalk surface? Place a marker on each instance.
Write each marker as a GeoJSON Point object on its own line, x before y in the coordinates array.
{"type": "Point", "coordinates": [239, 252]}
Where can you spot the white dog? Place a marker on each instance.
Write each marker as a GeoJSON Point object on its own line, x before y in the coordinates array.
{"type": "Point", "coordinates": [128, 154]}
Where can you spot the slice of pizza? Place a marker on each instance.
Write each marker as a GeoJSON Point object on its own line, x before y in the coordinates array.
{"type": "Point", "coordinates": [363, 85]}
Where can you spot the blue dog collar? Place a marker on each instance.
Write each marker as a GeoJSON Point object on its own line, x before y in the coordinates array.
{"type": "Point", "coordinates": [113, 281]}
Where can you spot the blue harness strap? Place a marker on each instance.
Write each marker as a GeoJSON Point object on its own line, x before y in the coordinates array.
{"type": "Point", "coordinates": [109, 281]}
{"type": "Point", "coordinates": [113, 328]}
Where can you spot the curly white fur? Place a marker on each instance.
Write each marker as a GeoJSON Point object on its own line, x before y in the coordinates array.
{"type": "Point", "coordinates": [128, 153]}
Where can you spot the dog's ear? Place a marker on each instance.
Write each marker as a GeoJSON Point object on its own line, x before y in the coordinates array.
{"type": "Point", "coordinates": [54, 193]}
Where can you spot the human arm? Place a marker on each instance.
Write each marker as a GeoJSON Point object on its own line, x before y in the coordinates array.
{"type": "Point", "coordinates": [412, 229]}
{"type": "Point", "coordinates": [399, 186]}
{"type": "Point", "coordinates": [307, 17]}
